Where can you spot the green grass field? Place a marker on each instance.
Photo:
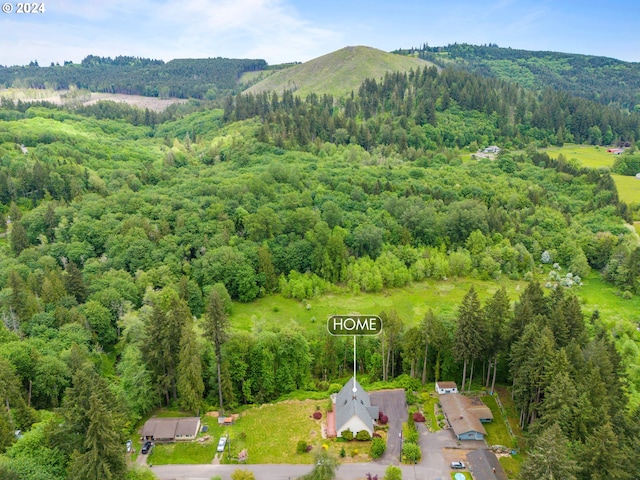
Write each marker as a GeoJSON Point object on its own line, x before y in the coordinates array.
{"type": "Point", "coordinates": [411, 303]}
{"type": "Point", "coordinates": [628, 188]}
{"type": "Point", "coordinates": [497, 432]}
{"type": "Point", "coordinates": [596, 157]}
{"type": "Point", "coordinates": [587, 155]}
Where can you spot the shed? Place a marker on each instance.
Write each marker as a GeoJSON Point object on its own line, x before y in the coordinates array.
{"type": "Point", "coordinates": [446, 387]}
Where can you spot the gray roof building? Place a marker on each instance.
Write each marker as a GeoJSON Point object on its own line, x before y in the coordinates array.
{"type": "Point", "coordinates": [485, 466]}
{"type": "Point", "coordinates": [354, 410]}
{"type": "Point", "coordinates": [171, 429]}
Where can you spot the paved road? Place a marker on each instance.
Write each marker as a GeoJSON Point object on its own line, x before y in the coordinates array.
{"type": "Point", "coordinates": [286, 472]}
{"type": "Point", "coordinates": [394, 405]}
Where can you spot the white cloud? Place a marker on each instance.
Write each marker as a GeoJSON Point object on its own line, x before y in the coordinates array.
{"type": "Point", "coordinates": [72, 29]}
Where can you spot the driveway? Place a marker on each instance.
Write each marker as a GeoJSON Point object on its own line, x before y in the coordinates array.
{"type": "Point", "coordinates": [393, 403]}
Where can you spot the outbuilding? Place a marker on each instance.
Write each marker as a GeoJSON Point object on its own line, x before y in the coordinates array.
{"type": "Point", "coordinates": [446, 387]}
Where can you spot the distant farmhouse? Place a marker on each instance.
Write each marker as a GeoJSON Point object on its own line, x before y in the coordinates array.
{"type": "Point", "coordinates": [171, 429]}
{"type": "Point", "coordinates": [491, 149]}
{"type": "Point", "coordinates": [466, 415]}
{"type": "Point", "coordinates": [353, 410]}
{"type": "Point", "coordinates": [446, 387]}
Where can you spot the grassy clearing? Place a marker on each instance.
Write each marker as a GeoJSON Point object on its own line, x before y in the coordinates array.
{"type": "Point", "coordinates": [497, 432]}
{"type": "Point", "coordinates": [628, 188]}
{"type": "Point", "coordinates": [618, 314]}
{"type": "Point", "coordinates": [271, 432]}
{"type": "Point", "coordinates": [511, 464]}
{"type": "Point", "coordinates": [338, 72]}
{"type": "Point", "coordinates": [587, 155]}
{"type": "Point", "coordinates": [411, 303]}
{"type": "Point", "coordinates": [183, 453]}
{"type": "Point", "coordinates": [512, 415]}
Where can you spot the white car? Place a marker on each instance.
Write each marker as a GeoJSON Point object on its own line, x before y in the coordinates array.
{"type": "Point", "coordinates": [221, 443]}
{"type": "Point", "coordinates": [457, 465]}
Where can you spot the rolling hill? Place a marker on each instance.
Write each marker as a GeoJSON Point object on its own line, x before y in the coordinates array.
{"type": "Point", "coordinates": [337, 73]}
{"type": "Point", "coordinates": [602, 79]}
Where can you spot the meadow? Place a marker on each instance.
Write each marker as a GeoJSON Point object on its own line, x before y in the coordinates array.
{"type": "Point", "coordinates": [598, 157]}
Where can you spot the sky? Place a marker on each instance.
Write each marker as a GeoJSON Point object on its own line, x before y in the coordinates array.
{"type": "Point", "coordinates": [299, 30]}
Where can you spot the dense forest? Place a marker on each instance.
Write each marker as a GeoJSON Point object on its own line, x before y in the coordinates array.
{"type": "Point", "coordinates": [400, 111]}
{"type": "Point", "coordinates": [602, 79]}
{"type": "Point", "coordinates": [126, 243]}
{"type": "Point", "coordinates": [182, 78]}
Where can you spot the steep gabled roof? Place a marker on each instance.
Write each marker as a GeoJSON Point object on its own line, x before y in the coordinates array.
{"type": "Point", "coordinates": [349, 404]}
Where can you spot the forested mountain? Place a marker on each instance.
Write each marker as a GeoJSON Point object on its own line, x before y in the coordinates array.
{"type": "Point", "coordinates": [125, 242]}
{"type": "Point", "coordinates": [182, 78]}
{"type": "Point", "coordinates": [602, 79]}
{"type": "Point", "coordinates": [336, 73]}
{"type": "Point", "coordinates": [401, 110]}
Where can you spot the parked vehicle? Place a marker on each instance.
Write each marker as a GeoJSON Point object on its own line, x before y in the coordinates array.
{"type": "Point", "coordinates": [221, 443]}
{"type": "Point", "coordinates": [457, 465]}
{"type": "Point", "coordinates": [129, 446]}
{"type": "Point", "coordinates": [146, 448]}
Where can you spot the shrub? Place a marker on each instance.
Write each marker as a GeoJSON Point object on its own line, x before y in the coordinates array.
{"type": "Point", "coordinates": [301, 447]}
{"type": "Point", "coordinates": [418, 417]}
{"type": "Point", "coordinates": [383, 420]}
{"type": "Point", "coordinates": [363, 436]}
{"type": "Point", "coordinates": [393, 473]}
{"type": "Point", "coordinates": [343, 452]}
{"type": "Point", "coordinates": [242, 475]}
{"type": "Point", "coordinates": [411, 452]}
{"type": "Point", "coordinates": [378, 446]}
{"type": "Point", "coordinates": [347, 435]}
{"type": "Point", "coordinates": [317, 415]}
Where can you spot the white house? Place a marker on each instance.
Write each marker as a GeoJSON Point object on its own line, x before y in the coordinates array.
{"type": "Point", "coordinates": [354, 410]}
{"type": "Point", "coordinates": [446, 387]}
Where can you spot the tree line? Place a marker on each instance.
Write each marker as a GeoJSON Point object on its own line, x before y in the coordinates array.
{"type": "Point", "coordinates": [181, 78]}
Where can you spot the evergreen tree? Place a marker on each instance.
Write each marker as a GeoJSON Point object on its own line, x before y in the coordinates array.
{"type": "Point", "coordinates": [469, 335]}
{"type": "Point", "coordinates": [496, 313]}
{"type": "Point", "coordinates": [266, 268]}
{"type": "Point", "coordinates": [604, 457]}
{"type": "Point", "coordinates": [190, 384]}
{"type": "Point", "coordinates": [19, 239]}
{"type": "Point", "coordinates": [216, 326]}
{"type": "Point", "coordinates": [74, 283]}
{"type": "Point", "coordinates": [550, 458]}
{"type": "Point", "coordinates": [103, 457]}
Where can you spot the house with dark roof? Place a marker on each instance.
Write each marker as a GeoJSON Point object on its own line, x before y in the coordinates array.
{"type": "Point", "coordinates": [466, 415]}
{"type": "Point", "coordinates": [171, 429]}
{"type": "Point", "coordinates": [485, 465]}
{"type": "Point", "coordinates": [353, 409]}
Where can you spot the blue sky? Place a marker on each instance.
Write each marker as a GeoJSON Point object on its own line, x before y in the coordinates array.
{"type": "Point", "coordinates": [298, 30]}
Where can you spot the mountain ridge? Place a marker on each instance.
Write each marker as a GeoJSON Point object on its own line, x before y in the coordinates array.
{"type": "Point", "coordinates": [338, 72]}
